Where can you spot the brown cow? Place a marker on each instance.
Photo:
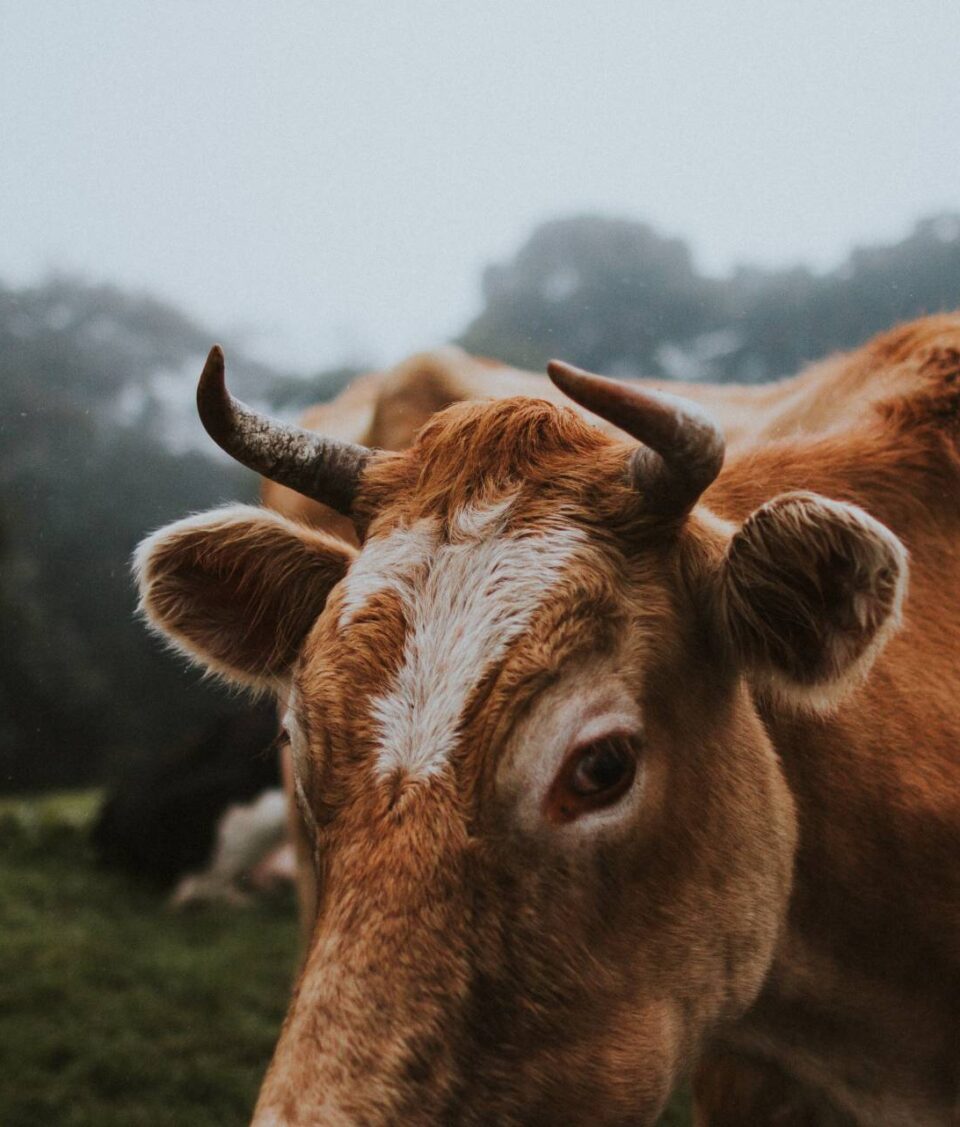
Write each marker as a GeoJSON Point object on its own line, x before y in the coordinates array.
{"type": "Point", "coordinates": [385, 410]}
{"type": "Point", "coordinates": [588, 739]}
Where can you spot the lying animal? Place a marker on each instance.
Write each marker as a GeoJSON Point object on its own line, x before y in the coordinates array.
{"type": "Point", "coordinates": [207, 821]}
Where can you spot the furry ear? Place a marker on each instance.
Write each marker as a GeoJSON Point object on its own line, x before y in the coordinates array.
{"type": "Point", "coordinates": [810, 591]}
{"type": "Point", "coordinates": [238, 588]}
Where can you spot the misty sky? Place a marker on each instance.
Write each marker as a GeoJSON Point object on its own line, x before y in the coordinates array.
{"type": "Point", "coordinates": [334, 177]}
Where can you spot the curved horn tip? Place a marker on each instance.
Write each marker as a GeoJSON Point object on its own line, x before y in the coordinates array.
{"type": "Point", "coordinates": [213, 369]}
{"type": "Point", "coordinates": [213, 399]}
{"type": "Point", "coordinates": [586, 388]}
{"type": "Point", "coordinates": [682, 447]}
{"type": "Point", "coordinates": [327, 470]}
{"type": "Point", "coordinates": [563, 374]}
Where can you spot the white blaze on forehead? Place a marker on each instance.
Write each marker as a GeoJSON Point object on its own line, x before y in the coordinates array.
{"type": "Point", "coordinates": [389, 563]}
{"type": "Point", "coordinates": [465, 601]}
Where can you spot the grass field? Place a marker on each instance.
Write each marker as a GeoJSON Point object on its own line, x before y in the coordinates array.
{"type": "Point", "coordinates": [115, 1012]}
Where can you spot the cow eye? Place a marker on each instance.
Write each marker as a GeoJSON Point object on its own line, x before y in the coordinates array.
{"type": "Point", "coordinates": [594, 776]}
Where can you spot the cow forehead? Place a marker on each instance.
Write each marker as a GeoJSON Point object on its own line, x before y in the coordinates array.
{"type": "Point", "coordinates": [469, 587]}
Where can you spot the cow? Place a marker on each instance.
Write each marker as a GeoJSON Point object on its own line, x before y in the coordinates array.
{"type": "Point", "coordinates": [385, 410]}
{"type": "Point", "coordinates": [613, 753]}
{"type": "Point", "coordinates": [206, 821]}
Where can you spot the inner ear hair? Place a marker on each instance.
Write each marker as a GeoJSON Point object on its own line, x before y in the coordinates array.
{"type": "Point", "coordinates": [810, 591]}
{"type": "Point", "coordinates": [237, 589]}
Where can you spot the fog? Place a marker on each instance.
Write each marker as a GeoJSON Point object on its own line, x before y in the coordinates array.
{"type": "Point", "coordinates": [331, 179]}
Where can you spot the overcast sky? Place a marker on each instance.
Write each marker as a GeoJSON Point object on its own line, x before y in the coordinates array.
{"type": "Point", "coordinates": [334, 176]}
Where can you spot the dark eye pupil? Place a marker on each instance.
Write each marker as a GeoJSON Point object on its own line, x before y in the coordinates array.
{"type": "Point", "coordinates": [600, 768]}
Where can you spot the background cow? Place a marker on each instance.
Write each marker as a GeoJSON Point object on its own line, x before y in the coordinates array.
{"type": "Point", "coordinates": [202, 821]}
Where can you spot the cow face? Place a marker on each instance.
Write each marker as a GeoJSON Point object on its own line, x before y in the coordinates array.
{"type": "Point", "coordinates": [553, 844]}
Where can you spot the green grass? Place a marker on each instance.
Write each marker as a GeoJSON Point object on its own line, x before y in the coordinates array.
{"type": "Point", "coordinates": [115, 1012]}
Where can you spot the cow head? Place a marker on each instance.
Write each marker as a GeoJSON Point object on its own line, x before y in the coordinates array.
{"type": "Point", "coordinates": [553, 843]}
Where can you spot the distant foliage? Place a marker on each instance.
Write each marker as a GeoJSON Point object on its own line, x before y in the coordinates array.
{"type": "Point", "coordinates": [614, 296]}
{"type": "Point", "coordinates": [98, 445]}
{"type": "Point", "coordinates": [603, 292]}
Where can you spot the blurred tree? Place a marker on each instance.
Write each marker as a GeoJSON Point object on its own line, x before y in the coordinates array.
{"type": "Point", "coordinates": [98, 444]}
{"type": "Point", "coordinates": [602, 293]}
{"type": "Point", "coordinates": [615, 296]}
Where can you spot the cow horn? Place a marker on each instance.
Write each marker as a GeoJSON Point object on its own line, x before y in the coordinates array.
{"type": "Point", "coordinates": [324, 469]}
{"type": "Point", "coordinates": [682, 448]}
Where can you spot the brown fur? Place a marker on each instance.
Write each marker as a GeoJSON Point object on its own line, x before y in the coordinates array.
{"type": "Point", "coordinates": [262, 580]}
{"type": "Point", "coordinates": [471, 965]}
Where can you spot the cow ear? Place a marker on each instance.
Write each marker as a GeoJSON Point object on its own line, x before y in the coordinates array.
{"type": "Point", "coordinates": [810, 590]}
{"type": "Point", "coordinates": [238, 588]}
